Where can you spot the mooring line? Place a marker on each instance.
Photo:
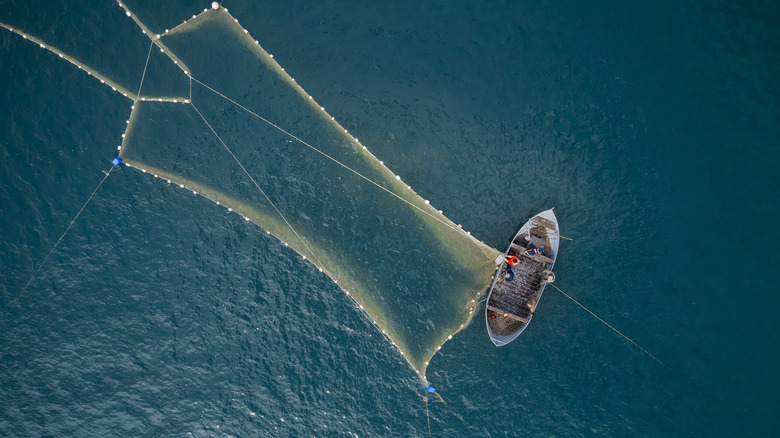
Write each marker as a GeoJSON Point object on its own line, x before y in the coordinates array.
{"type": "Point", "coordinates": [143, 75]}
{"type": "Point", "coordinates": [314, 256]}
{"type": "Point", "coordinates": [24, 289]}
{"type": "Point", "coordinates": [614, 329]}
{"type": "Point", "coordinates": [441, 399]}
{"type": "Point", "coordinates": [303, 142]}
{"type": "Point", "coordinates": [428, 416]}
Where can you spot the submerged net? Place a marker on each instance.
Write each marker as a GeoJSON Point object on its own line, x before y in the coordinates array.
{"type": "Point", "coordinates": [264, 149]}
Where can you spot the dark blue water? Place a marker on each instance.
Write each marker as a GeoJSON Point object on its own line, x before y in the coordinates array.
{"type": "Point", "coordinates": [652, 128]}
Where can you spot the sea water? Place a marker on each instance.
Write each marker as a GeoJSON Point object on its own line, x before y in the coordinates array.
{"type": "Point", "coordinates": [652, 129]}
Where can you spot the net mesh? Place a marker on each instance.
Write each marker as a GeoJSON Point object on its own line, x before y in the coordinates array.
{"type": "Point", "coordinates": [218, 116]}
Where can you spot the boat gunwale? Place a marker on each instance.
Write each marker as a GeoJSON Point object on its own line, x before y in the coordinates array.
{"type": "Point", "coordinates": [554, 239]}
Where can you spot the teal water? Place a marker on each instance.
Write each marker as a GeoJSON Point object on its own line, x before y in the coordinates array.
{"type": "Point", "coordinates": [651, 128]}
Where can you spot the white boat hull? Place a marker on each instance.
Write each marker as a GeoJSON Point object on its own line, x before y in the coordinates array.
{"type": "Point", "coordinates": [511, 303]}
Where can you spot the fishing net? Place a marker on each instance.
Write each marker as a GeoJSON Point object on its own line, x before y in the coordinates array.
{"type": "Point", "coordinates": [264, 149]}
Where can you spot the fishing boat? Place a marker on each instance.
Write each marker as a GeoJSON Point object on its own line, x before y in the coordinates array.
{"type": "Point", "coordinates": [522, 273]}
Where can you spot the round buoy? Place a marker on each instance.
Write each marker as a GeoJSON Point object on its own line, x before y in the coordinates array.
{"type": "Point", "coordinates": [431, 389]}
{"type": "Point", "coordinates": [117, 161]}
{"type": "Point", "coordinates": [214, 5]}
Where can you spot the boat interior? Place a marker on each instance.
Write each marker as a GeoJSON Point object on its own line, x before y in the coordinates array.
{"type": "Point", "coordinates": [515, 294]}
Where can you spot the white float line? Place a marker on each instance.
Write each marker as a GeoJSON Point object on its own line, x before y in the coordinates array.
{"type": "Point", "coordinates": [360, 306]}
{"type": "Point", "coordinates": [82, 66]}
{"type": "Point", "coordinates": [229, 209]}
{"type": "Point", "coordinates": [164, 99]}
{"type": "Point", "coordinates": [302, 91]}
{"type": "Point", "coordinates": [397, 177]}
{"type": "Point", "coordinates": [322, 108]}
{"type": "Point", "coordinates": [303, 142]}
{"type": "Point", "coordinates": [472, 307]}
{"type": "Point", "coordinates": [184, 22]}
{"type": "Point", "coordinates": [258, 187]}
{"type": "Point", "coordinates": [154, 37]}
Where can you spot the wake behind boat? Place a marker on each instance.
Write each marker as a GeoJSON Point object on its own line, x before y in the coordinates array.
{"type": "Point", "coordinates": [522, 274]}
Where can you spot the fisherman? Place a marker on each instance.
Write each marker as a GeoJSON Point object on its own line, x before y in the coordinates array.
{"type": "Point", "coordinates": [510, 275]}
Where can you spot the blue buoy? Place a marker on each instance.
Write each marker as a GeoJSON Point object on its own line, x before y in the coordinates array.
{"type": "Point", "coordinates": [117, 161]}
{"type": "Point", "coordinates": [431, 389]}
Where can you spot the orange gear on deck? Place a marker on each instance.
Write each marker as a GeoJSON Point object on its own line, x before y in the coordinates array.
{"type": "Point", "coordinates": [512, 260]}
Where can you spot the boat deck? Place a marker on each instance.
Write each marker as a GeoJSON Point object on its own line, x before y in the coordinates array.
{"type": "Point", "coordinates": [512, 302]}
